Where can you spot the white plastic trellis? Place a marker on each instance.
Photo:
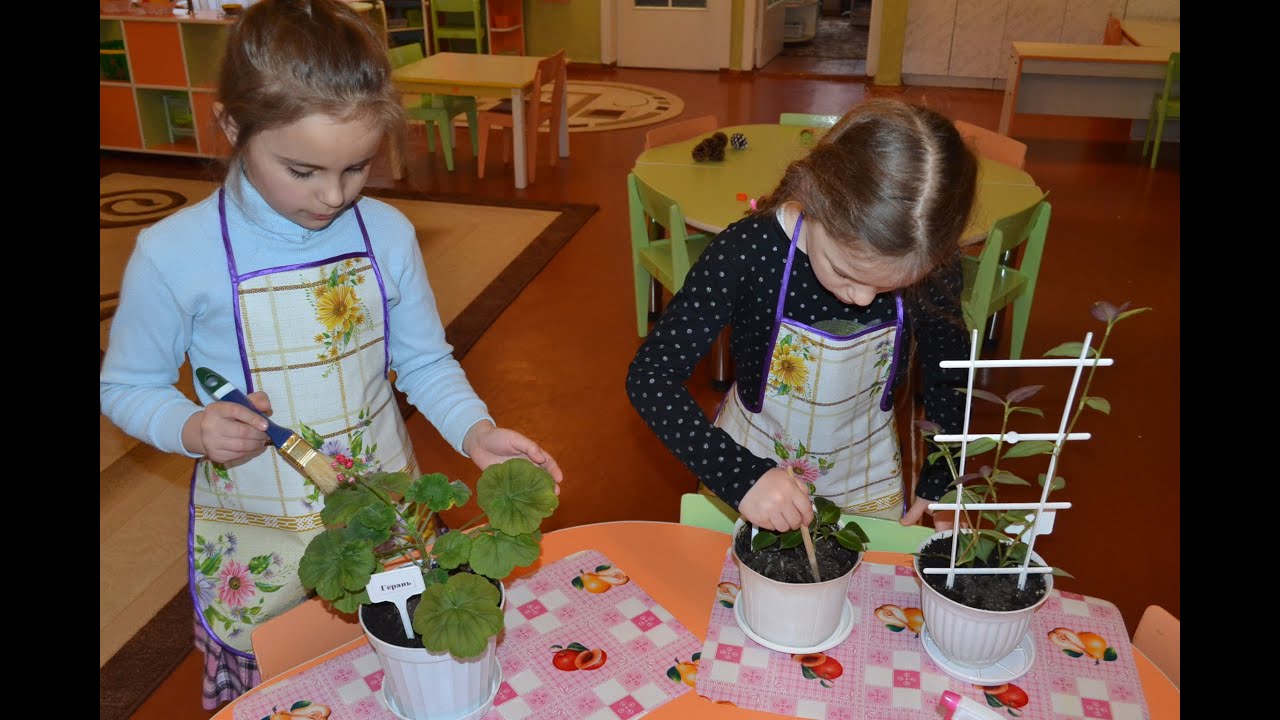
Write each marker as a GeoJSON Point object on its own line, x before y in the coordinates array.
{"type": "Point", "coordinates": [1043, 519]}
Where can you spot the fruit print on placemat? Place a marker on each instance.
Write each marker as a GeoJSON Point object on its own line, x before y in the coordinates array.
{"type": "Point", "coordinates": [1084, 666]}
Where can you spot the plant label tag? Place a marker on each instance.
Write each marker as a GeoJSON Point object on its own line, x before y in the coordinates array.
{"type": "Point", "coordinates": [397, 586]}
{"type": "Point", "coordinates": [1042, 525]}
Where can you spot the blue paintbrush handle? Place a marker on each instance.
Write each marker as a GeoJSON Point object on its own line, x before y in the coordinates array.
{"type": "Point", "coordinates": [220, 389]}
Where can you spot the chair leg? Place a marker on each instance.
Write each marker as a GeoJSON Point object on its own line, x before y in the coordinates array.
{"type": "Point", "coordinates": [446, 142]}
{"type": "Point", "coordinates": [482, 149]}
{"type": "Point", "coordinates": [1151, 120]}
{"type": "Point", "coordinates": [1155, 148]}
{"type": "Point", "coordinates": [472, 123]}
{"type": "Point", "coordinates": [655, 300]}
{"type": "Point", "coordinates": [721, 377]}
{"type": "Point", "coordinates": [643, 284]}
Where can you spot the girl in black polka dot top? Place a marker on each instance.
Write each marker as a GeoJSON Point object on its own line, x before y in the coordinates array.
{"type": "Point", "coordinates": [853, 254]}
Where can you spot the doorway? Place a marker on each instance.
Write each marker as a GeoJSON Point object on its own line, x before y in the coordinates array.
{"type": "Point", "coordinates": [824, 38]}
{"type": "Point", "coordinates": [676, 34]}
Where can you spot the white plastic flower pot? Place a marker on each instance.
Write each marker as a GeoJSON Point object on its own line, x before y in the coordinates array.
{"type": "Point", "coordinates": [426, 685]}
{"type": "Point", "coordinates": [971, 637]}
{"type": "Point", "coordinates": [794, 615]}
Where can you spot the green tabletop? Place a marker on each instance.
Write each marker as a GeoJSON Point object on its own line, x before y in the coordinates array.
{"type": "Point", "coordinates": [708, 191]}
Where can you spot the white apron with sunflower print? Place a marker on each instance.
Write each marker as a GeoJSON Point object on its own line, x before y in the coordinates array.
{"type": "Point", "coordinates": [313, 337]}
{"type": "Point", "coordinates": [824, 412]}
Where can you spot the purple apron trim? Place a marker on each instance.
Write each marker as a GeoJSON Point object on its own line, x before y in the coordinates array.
{"type": "Point", "coordinates": [386, 309]}
{"type": "Point", "coordinates": [886, 402]}
{"type": "Point", "coordinates": [758, 402]}
{"type": "Point", "coordinates": [236, 279]}
{"type": "Point", "coordinates": [191, 569]}
{"type": "Point", "coordinates": [235, 293]}
{"type": "Point", "coordinates": [301, 266]}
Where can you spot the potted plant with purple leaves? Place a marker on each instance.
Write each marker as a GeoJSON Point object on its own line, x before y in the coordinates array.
{"type": "Point", "coordinates": [976, 620]}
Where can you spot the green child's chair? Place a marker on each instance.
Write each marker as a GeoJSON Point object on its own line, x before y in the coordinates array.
{"type": "Point", "coordinates": [666, 260]}
{"type": "Point", "coordinates": [990, 285]}
{"type": "Point", "coordinates": [1167, 104]}
{"type": "Point", "coordinates": [458, 20]}
{"type": "Point", "coordinates": [437, 111]}
{"type": "Point", "coordinates": [704, 511]}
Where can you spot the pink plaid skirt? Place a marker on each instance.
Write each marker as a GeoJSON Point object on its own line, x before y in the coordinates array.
{"type": "Point", "coordinates": [227, 676]}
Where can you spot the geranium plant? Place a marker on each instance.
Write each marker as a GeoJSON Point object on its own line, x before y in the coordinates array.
{"type": "Point", "coordinates": [989, 538]}
{"type": "Point", "coordinates": [378, 520]}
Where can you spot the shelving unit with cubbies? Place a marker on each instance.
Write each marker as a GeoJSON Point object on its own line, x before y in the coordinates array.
{"type": "Point", "coordinates": [156, 83]}
{"type": "Point", "coordinates": [505, 20]}
{"type": "Point", "coordinates": [405, 23]}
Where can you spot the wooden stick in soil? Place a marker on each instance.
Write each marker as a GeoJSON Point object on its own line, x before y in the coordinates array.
{"type": "Point", "coordinates": [808, 549]}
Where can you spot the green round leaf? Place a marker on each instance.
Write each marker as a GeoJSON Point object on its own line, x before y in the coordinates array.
{"type": "Point", "coordinates": [334, 565]}
{"type": "Point", "coordinates": [516, 495]}
{"type": "Point", "coordinates": [459, 616]}
{"type": "Point", "coordinates": [371, 524]}
{"type": "Point", "coordinates": [438, 493]}
{"type": "Point", "coordinates": [496, 554]}
{"type": "Point", "coordinates": [762, 540]}
{"type": "Point", "coordinates": [395, 483]}
{"type": "Point", "coordinates": [342, 504]}
{"type": "Point", "coordinates": [452, 549]}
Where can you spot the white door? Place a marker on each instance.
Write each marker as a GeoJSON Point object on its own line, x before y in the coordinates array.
{"type": "Point", "coordinates": [675, 34]}
{"type": "Point", "coordinates": [771, 18]}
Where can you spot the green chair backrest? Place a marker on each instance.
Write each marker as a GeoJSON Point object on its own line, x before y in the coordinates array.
{"type": "Point", "coordinates": [707, 512]}
{"type": "Point", "coordinates": [808, 120]}
{"type": "Point", "coordinates": [445, 29]}
{"type": "Point", "coordinates": [405, 54]}
{"type": "Point", "coordinates": [712, 513]}
{"type": "Point", "coordinates": [993, 285]}
{"type": "Point", "coordinates": [645, 204]}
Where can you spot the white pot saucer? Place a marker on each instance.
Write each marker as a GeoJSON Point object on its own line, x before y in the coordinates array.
{"type": "Point", "coordinates": [1006, 669]}
{"type": "Point", "coordinates": [842, 631]}
{"type": "Point", "coordinates": [476, 714]}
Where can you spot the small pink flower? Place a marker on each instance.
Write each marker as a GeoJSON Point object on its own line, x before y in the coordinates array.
{"type": "Point", "coordinates": [237, 587]}
{"type": "Point", "coordinates": [800, 469]}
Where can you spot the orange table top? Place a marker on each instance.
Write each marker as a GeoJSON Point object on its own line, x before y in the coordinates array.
{"type": "Point", "coordinates": [675, 564]}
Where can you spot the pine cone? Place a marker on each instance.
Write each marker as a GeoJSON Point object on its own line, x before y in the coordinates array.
{"type": "Point", "coordinates": [738, 141]}
{"type": "Point", "coordinates": [720, 139]}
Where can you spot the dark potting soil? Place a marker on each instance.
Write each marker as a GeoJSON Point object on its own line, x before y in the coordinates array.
{"type": "Point", "coordinates": [383, 620]}
{"type": "Point", "coordinates": [983, 592]}
{"type": "Point", "coordinates": [792, 565]}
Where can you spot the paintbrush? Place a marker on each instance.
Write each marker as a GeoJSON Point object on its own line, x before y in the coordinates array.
{"type": "Point", "coordinates": [297, 452]}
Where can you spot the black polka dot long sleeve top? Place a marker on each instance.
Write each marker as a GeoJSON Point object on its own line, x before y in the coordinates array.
{"type": "Point", "coordinates": [736, 281]}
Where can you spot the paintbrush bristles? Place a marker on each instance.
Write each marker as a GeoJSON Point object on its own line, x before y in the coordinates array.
{"type": "Point", "coordinates": [311, 462]}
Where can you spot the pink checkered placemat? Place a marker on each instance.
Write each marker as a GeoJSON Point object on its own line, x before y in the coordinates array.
{"type": "Point", "coordinates": [565, 603]}
{"type": "Point", "coordinates": [882, 671]}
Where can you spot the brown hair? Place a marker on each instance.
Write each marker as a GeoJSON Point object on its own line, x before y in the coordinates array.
{"type": "Point", "coordinates": [891, 177]}
{"type": "Point", "coordinates": [287, 59]}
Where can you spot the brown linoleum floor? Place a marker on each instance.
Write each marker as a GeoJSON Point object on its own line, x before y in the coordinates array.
{"type": "Point", "coordinates": [554, 363]}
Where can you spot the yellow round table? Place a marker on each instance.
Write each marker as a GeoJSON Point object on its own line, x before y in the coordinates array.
{"type": "Point", "coordinates": [708, 191]}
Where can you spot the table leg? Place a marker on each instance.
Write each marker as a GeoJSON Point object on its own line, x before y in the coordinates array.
{"type": "Point", "coordinates": [518, 137]}
{"type": "Point", "coordinates": [564, 124]}
{"type": "Point", "coordinates": [396, 155]}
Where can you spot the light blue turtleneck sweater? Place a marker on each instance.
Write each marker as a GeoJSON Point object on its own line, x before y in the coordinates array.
{"type": "Point", "coordinates": [175, 300]}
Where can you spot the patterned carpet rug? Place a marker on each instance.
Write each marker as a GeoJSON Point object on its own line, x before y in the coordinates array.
{"type": "Point", "coordinates": [598, 106]}
{"type": "Point", "coordinates": [145, 610]}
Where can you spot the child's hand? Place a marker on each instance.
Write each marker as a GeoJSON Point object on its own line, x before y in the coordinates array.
{"type": "Point", "coordinates": [225, 432]}
{"type": "Point", "coordinates": [777, 502]}
{"type": "Point", "coordinates": [487, 445]}
{"type": "Point", "coordinates": [942, 520]}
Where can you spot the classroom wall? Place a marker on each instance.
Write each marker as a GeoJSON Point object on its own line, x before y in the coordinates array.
{"type": "Point", "coordinates": [572, 25]}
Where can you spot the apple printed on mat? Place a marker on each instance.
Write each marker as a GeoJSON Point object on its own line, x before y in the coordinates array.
{"type": "Point", "coordinates": [820, 667]}
{"type": "Point", "coordinates": [727, 593]}
{"type": "Point", "coordinates": [685, 671]}
{"type": "Point", "coordinates": [603, 578]}
{"type": "Point", "coordinates": [300, 710]}
{"type": "Point", "coordinates": [1077, 644]}
{"type": "Point", "coordinates": [576, 656]}
{"type": "Point", "coordinates": [1008, 696]}
{"type": "Point", "coordinates": [898, 619]}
